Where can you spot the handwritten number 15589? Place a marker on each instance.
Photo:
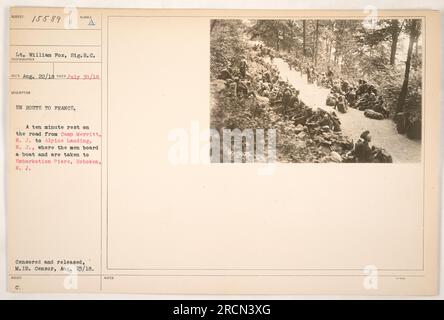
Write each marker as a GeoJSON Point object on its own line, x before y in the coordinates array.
{"type": "Point", "coordinates": [53, 19]}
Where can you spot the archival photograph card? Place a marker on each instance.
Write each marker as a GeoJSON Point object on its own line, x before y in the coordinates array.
{"type": "Point", "coordinates": [223, 151]}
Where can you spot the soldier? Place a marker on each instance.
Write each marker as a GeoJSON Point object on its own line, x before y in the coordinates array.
{"type": "Point", "coordinates": [336, 87]}
{"type": "Point", "coordinates": [380, 107]}
{"type": "Point", "coordinates": [362, 151]}
{"type": "Point", "coordinates": [232, 85]}
{"type": "Point", "coordinates": [344, 85]}
{"type": "Point", "coordinates": [242, 88]}
{"type": "Point", "coordinates": [329, 76]}
{"type": "Point", "coordinates": [271, 55]}
{"type": "Point", "coordinates": [225, 74]}
{"type": "Point", "coordinates": [313, 74]}
{"type": "Point", "coordinates": [286, 97]}
{"type": "Point", "coordinates": [351, 97]}
{"type": "Point", "coordinates": [341, 105]}
{"type": "Point", "coordinates": [308, 74]}
{"type": "Point", "coordinates": [266, 77]}
{"type": "Point", "coordinates": [331, 99]}
{"type": "Point", "coordinates": [294, 100]}
{"type": "Point", "coordinates": [243, 68]}
{"type": "Point", "coordinates": [372, 100]}
{"type": "Point", "coordinates": [274, 95]}
{"type": "Point", "coordinates": [364, 102]}
{"type": "Point", "coordinates": [362, 88]}
{"type": "Point", "coordinates": [265, 92]}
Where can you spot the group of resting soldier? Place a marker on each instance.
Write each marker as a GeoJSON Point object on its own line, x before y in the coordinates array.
{"type": "Point", "coordinates": [265, 83]}
{"type": "Point", "coordinates": [343, 94]}
{"type": "Point", "coordinates": [362, 96]}
{"type": "Point", "coordinates": [363, 153]}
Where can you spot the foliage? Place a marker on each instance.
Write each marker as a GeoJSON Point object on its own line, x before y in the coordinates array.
{"type": "Point", "coordinates": [226, 45]}
{"type": "Point", "coordinates": [353, 51]}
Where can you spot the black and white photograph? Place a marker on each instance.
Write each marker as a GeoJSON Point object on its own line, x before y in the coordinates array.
{"type": "Point", "coordinates": [330, 90]}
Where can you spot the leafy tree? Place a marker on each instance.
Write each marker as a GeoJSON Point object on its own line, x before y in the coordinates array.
{"type": "Point", "coordinates": [226, 45]}
{"type": "Point", "coordinates": [355, 51]}
{"type": "Point", "coordinates": [401, 106]}
{"type": "Point", "coordinates": [385, 31]}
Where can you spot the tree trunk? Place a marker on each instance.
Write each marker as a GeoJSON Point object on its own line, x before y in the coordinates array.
{"type": "Point", "coordinates": [403, 94]}
{"type": "Point", "coordinates": [395, 36]}
{"type": "Point", "coordinates": [303, 38]}
{"type": "Point", "coordinates": [330, 46]}
{"type": "Point", "coordinates": [418, 32]}
{"type": "Point", "coordinates": [416, 46]}
{"type": "Point", "coordinates": [277, 35]}
{"type": "Point", "coordinates": [315, 44]}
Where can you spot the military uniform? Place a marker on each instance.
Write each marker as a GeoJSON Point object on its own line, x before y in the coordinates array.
{"type": "Point", "coordinates": [363, 152]}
